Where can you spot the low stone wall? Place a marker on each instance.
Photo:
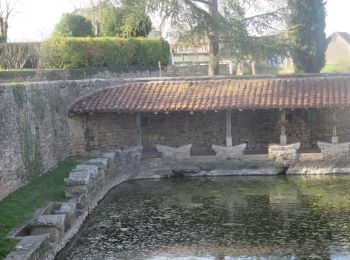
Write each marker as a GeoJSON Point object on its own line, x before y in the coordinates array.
{"type": "Point", "coordinates": [86, 185]}
{"type": "Point", "coordinates": [108, 73]}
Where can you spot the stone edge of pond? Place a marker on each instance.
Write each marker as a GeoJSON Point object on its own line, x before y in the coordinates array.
{"type": "Point", "coordinates": [52, 226]}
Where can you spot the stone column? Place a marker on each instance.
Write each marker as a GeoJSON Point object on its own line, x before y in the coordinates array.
{"type": "Point", "coordinates": [138, 129]}
{"type": "Point", "coordinates": [283, 136]}
{"type": "Point", "coordinates": [335, 139]}
{"type": "Point", "coordinates": [334, 122]}
{"type": "Point", "coordinates": [228, 129]}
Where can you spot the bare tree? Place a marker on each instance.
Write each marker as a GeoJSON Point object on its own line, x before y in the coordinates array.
{"type": "Point", "coordinates": [7, 9]}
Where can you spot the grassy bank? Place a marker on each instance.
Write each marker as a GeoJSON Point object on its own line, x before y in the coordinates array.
{"type": "Point", "coordinates": [21, 204]}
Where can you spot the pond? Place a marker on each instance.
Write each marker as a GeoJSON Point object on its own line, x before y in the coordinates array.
{"type": "Point", "coordinates": [265, 217]}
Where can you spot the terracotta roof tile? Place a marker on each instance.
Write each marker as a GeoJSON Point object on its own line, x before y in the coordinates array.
{"type": "Point", "coordinates": [313, 92]}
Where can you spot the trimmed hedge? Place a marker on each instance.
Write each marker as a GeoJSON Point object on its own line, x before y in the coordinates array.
{"type": "Point", "coordinates": [76, 52]}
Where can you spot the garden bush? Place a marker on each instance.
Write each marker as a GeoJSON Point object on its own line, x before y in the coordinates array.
{"type": "Point", "coordinates": [73, 52]}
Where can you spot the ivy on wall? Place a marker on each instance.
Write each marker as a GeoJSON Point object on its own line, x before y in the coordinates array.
{"type": "Point", "coordinates": [30, 146]}
{"type": "Point", "coordinates": [30, 150]}
{"type": "Point", "coordinates": [54, 103]}
{"type": "Point", "coordinates": [38, 103]}
{"type": "Point", "coordinates": [18, 94]}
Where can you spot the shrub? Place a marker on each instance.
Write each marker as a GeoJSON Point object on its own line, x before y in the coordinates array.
{"type": "Point", "coordinates": [73, 25]}
{"type": "Point", "coordinates": [103, 52]}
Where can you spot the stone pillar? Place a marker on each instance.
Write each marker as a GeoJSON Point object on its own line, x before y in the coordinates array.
{"type": "Point", "coordinates": [138, 130]}
{"type": "Point", "coordinates": [283, 136]}
{"type": "Point", "coordinates": [230, 68]}
{"type": "Point", "coordinates": [334, 135]}
{"type": "Point", "coordinates": [228, 129]}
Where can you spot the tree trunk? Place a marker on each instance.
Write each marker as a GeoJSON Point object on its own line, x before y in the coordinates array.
{"type": "Point", "coordinates": [3, 29]}
{"type": "Point", "coordinates": [213, 67]}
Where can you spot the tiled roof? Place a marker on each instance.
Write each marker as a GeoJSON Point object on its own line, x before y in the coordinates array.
{"type": "Point", "coordinates": [227, 94]}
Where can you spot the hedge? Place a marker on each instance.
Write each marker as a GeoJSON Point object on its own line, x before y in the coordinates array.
{"type": "Point", "coordinates": [76, 52]}
{"type": "Point", "coordinates": [19, 55]}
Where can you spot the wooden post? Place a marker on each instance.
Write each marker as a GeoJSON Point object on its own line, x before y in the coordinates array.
{"type": "Point", "coordinates": [138, 129]}
{"type": "Point", "coordinates": [228, 129]}
{"type": "Point", "coordinates": [283, 136]}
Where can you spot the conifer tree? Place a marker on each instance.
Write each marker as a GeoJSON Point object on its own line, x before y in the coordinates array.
{"type": "Point", "coordinates": [307, 34]}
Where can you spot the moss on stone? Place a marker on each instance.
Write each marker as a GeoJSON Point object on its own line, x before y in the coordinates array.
{"type": "Point", "coordinates": [19, 94]}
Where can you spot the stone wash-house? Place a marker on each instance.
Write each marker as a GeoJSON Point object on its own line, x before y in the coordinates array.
{"type": "Point", "coordinates": [224, 112]}
{"type": "Point", "coordinates": [338, 51]}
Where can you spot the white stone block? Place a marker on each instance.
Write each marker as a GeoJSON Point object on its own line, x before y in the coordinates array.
{"type": "Point", "coordinates": [284, 155]}
{"type": "Point", "coordinates": [235, 152]}
{"type": "Point", "coordinates": [334, 152]}
{"type": "Point", "coordinates": [182, 152]}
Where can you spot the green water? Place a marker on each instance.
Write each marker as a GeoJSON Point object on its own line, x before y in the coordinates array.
{"type": "Point", "coordinates": [220, 218]}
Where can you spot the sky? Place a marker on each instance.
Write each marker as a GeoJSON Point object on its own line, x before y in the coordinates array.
{"type": "Point", "coordinates": [34, 20]}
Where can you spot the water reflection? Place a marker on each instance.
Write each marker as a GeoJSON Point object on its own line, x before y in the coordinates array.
{"type": "Point", "coordinates": [220, 218]}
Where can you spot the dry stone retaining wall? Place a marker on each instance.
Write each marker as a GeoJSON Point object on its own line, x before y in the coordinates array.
{"type": "Point", "coordinates": [34, 127]}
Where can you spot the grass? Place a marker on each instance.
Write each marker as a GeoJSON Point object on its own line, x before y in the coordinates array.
{"type": "Point", "coordinates": [336, 68]}
{"type": "Point", "coordinates": [21, 204]}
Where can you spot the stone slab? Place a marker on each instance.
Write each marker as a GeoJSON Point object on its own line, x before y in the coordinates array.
{"type": "Point", "coordinates": [49, 224]}
{"type": "Point", "coordinates": [27, 247]}
{"type": "Point", "coordinates": [77, 178]}
{"type": "Point", "coordinates": [91, 169]}
{"type": "Point", "coordinates": [101, 163]}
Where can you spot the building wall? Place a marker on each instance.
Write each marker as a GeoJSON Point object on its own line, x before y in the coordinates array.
{"type": "Point", "coordinates": [257, 128]}
{"type": "Point", "coordinates": [338, 51]}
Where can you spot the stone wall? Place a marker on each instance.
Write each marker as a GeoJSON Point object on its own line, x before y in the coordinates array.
{"type": "Point", "coordinates": [107, 73]}
{"type": "Point", "coordinates": [257, 128]}
{"type": "Point", "coordinates": [34, 127]}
